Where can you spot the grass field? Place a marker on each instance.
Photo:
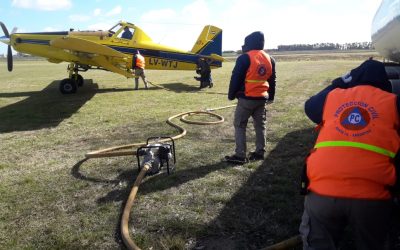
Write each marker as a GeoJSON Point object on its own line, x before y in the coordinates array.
{"type": "Point", "coordinates": [52, 198]}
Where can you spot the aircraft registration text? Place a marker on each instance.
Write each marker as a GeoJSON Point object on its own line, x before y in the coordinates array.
{"type": "Point", "coordinates": [163, 63]}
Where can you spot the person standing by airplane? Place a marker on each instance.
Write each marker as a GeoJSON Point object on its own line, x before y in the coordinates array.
{"type": "Point", "coordinates": [139, 63]}
{"type": "Point", "coordinates": [203, 68]}
{"type": "Point", "coordinates": [351, 173]}
{"type": "Point", "coordinates": [253, 83]}
{"type": "Point", "coordinates": [127, 34]}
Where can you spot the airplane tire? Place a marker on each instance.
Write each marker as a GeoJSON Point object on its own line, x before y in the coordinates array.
{"type": "Point", "coordinates": [79, 80]}
{"type": "Point", "coordinates": [67, 86]}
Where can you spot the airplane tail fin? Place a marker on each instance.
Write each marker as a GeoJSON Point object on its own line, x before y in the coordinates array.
{"type": "Point", "coordinates": [209, 42]}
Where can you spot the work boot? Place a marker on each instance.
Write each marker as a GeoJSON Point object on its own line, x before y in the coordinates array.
{"type": "Point", "coordinates": [236, 159]}
{"type": "Point", "coordinates": [254, 156]}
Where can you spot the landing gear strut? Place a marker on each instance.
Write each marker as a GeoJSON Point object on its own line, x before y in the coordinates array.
{"type": "Point", "coordinates": [71, 84]}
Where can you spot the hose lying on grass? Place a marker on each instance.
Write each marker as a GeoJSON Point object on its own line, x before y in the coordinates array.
{"type": "Point", "coordinates": [129, 149]}
{"type": "Point", "coordinates": [286, 244]}
{"type": "Point", "coordinates": [129, 243]}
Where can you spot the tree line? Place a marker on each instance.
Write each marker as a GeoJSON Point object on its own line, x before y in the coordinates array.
{"type": "Point", "coordinates": [318, 46]}
{"type": "Point", "coordinates": [326, 46]}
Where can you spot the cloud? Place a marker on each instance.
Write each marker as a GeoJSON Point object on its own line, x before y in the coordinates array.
{"type": "Point", "coordinates": [310, 21]}
{"type": "Point", "coordinates": [49, 29]}
{"type": "Point", "coordinates": [196, 11]}
{"type": "Point", "coordinates": [46, 5]}
{"type": "Point", "coordinates": [101, 26]}
{"type": "Point", "coordinates": [97, 12]}
{"type": "Point", "coordinates": [79, 18]}
{"type": "Point", "coordinates": [177, 28]}
{"type": "Point", "coordinates": [116, 11]}
{"type": "Point", "coordinates": [158, 15]}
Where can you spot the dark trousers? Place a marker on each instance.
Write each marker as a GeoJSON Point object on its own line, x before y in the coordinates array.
{"type": "Point", "coordinates": [325, 218]}
{"type": "Point", "coordinates": [244, 110]}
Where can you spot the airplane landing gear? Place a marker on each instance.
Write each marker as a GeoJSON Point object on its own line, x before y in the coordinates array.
{"type": "Point", "coordinates": [75, 80]}
{"type": "Point", "coordinates": [78, 79]}
{"type": "Point", "coordinates": [68, 86]}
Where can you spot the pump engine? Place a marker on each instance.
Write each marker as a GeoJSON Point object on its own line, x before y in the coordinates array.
{"type": "Point", "coordinates": [157, 154]}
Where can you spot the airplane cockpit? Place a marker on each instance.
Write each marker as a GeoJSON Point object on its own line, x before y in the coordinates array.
{"type": "Point", "coordinates": [122, 30]}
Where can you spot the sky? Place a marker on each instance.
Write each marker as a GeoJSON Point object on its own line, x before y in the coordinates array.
{"type": "Point", "coordinates": [178, 23]}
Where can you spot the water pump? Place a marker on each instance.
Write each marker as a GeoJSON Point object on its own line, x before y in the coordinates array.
{"type": "Point", "coordinates": [157, 154]}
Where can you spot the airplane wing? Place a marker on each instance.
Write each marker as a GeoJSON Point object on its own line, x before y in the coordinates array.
{"type": "Point", "coordinates": [82, 45]}
{"type": "Point", "coordinates": [104, 56]}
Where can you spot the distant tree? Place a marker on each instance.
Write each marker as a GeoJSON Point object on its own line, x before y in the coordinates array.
{"type": "Point", "coordinates": [325, 46]}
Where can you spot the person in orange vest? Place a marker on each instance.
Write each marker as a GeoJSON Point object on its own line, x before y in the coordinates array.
{"type": "Point", "coordinates": [139, 63]}
{"type": "Point", "coordinates": [351, 173]}
{"type": "Point", "coordinates": [253, 84]}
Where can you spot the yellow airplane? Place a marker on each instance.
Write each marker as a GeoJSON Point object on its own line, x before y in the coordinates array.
{"type": "Point", "coordinates": [112, 50]}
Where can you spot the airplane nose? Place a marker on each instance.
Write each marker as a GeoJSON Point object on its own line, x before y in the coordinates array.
{"type": "Point", "coordinates": [5, 40]}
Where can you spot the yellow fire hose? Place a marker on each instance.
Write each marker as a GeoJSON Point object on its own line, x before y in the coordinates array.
{"type": "Point", "coordinates": [286, 244]}
{"type": "Point", "coordinates": [128, 149]}
{"type": "Point", "coordinates": [129, 243]}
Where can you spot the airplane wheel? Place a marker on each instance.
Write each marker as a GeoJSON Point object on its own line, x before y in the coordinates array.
{"type": "Point", "coordinates": [67, 86]}
{"type": "Point", "coordinates": [79, 80]}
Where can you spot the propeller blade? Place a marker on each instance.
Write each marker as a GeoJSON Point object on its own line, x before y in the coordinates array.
{"type": "Point", "coordinates": [9, 59]}
{"type": "Point", "coordinates": [14, 30]}
{"type": "Point", "coordinates": [4, 28]}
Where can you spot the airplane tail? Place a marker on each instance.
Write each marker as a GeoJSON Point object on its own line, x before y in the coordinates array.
{"type": "Point", "coordinates": [209, 42]}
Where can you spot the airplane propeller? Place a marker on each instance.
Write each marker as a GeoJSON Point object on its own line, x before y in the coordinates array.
{"type": "Point", "coordinates": [9, 51]}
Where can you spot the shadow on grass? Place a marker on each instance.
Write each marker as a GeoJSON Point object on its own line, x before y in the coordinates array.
{"type": "Point", "coordinates": [47, 108]}
{"type": "Point", "coordinates": [179, 87]}
{"type": "Point", "coordinates": [43, 109]}
{"type": "Point", "coordinates": [152, 184]}
{"type": "Point", "coordinates": [183, 88]}
{"type": "Point", "coordinates": [267, 208]}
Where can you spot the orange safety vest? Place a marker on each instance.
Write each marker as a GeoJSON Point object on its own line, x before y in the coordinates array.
{"type": "Point", "coordinates": [140, 62]}
{"type": "Point", "coordinates": [353, 155]}
{"type": "Point", "coordinates": [260, 70]}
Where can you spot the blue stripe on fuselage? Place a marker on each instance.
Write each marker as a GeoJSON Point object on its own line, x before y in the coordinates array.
{"type": "Point", "coordinates": [34, 41]}
{"type": "Point", "coordinates": [176, 56]}
{"type": "Point", "coordinates": [180, 57]}
{"type": "Point", "coordinates": [56, 33]}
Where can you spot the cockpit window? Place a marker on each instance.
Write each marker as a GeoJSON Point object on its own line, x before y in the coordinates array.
{"type": "Point", "coordinates": [127, 33]}
{"type": "Point", "coordinates": [115, 28]}
{"type": "Point", "coordinates": [123, 32]}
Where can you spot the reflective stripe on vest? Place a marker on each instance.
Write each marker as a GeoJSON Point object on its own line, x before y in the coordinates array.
{"type": "Point", "coordinates": [259, 71]}
{"type": "Point", "coordinates": [364, 146]}
{"type": "Point", "coordinates": [356, 144]}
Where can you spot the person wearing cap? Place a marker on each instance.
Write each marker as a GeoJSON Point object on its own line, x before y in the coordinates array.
{"type": "Point", "coordinates": [351, 173]}
{"type": "Point", "coordinates": [253, 84]}
{"type": "Point", "coordinates": [139, 65]}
